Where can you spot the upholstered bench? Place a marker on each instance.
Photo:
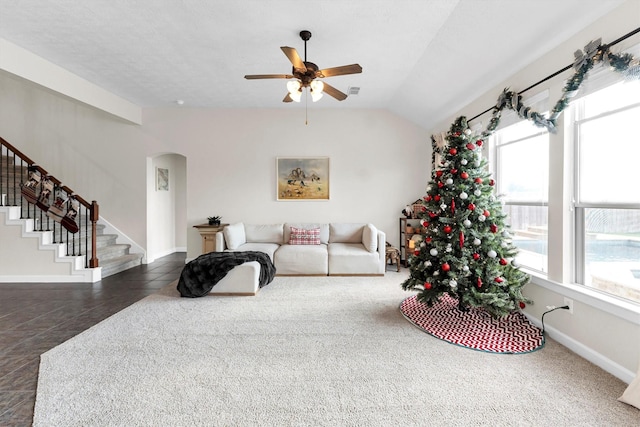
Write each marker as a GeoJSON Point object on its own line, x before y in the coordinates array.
{"type": "Point", "coordinates": [243, 279]}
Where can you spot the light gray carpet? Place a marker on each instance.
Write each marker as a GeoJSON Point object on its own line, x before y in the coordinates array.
{"type": "Point", "coordinates": [312, 351]}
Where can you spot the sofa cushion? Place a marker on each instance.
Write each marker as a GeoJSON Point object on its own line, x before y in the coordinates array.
{"type": "Point", "coordinates": [370, 237]}
{"type": "Point", "coordinates": [324, 230]}
{"type": "Point", "coordinates": [352, 258]}
{"type": "Point", "coordinates": [301, 260]}
{"type": "Point", "coordinates": [345, 232]}
{"type": "Point", "coordinates": [267, 248]}
{"type": "Point", "coordinates": [234, 235]}
{"type": "Point", "coordinates": [300, 236]}
{"type": "Point", "coordinates": [264, 233]}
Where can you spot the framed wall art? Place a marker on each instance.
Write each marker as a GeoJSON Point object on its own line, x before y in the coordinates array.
{"type": "Point", "coordinates": [302, 178]}
{"type": "Point", "coordinates": [162, 179]}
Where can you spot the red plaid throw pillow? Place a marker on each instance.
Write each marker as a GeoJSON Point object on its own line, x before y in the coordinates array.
{"type": "Point", "coordinates": [300, 236]}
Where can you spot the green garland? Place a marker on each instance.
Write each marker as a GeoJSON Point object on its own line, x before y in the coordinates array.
{"type": "Point", "coordinates": [594, 52]}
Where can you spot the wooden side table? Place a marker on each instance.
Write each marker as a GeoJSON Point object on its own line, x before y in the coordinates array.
{"type": "Point", "coordinates": [208, 234]}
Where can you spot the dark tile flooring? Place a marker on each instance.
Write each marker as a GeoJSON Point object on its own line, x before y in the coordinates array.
{"type": "Point", "coordinates": [35, 317]}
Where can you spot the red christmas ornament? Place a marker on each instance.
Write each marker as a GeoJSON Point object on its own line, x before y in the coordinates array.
{"type": "Point", "coordinates": [427, 285]}
{"type": "Point", "coordinates": [453, 151]}
{"type": "Point", "coordinates": [522, 305]}
{"type": "Point", "coordinates": [492, 182]}
{"type": "Point", "coordinates": [494, 228]}
{"type": "Point", "coordinates": [486, 213]}
{"type": "Point", "coordinates": [479, 283]}
{"type": "Point", "coordinates": [432, 215]}
{"type": "Point", "coordinates": [476, 256]}
{"type": "Point", "coordinates": [438, 174]}
{"type": "Point", "coordinates": [440, 185]}
{"type": "Point", "coordinates": [423, 208]}
{"type": "Point", "coordinates": [456, 134]}
{"type": "Point", "coordinates": [471, 207]}
{"type": "Point", "coordinates": [446, 229]}
{"type": "Point", "coordinates": [464, 175]}
{"type": "Point", "coordinates": [478, 180]}
{"type": "Point", "coordinates": [446, 267]}
{"type": "Point", "coordinates": [470, 146]}
{"type": "Point", "coordinates": [429, 239]}
{"type": "Point", "coordinates": [437, 198]}
{"type": "Point", "coordinates": [425, 223]}
{"type": "Point", "coordinates": [503, 261]}
{"type": "Point", "coordinates": [416, 252]}
{"type": "Point", "coordinates": [499, 280]}
{"type": "Point", "coordinates": [479, 143]}
{"type": "Point", "coordinates": [427, 198]}
{"type": "Point", "coordinates": [461, 239]}
{"type": "Point", "coordinates": [454, 171]}
{"type": "Point", "coordinates": [453, 206]}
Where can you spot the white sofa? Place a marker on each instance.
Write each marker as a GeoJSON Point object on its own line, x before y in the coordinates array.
{"type": "Point", "coordinates": [335, 249]}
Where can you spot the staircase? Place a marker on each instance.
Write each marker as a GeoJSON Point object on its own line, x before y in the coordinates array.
{"type": "Point", "coordinates": [23, 220]}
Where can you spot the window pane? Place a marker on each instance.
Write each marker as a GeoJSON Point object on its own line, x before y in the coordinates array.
{"type": "Point", "coordinates": [609, 151]}
{"type": "Point", "coordinates": [529, 226]}
{"type": "Point", "coordinates": [612, 98]}
{"type": "Point", "coordinates": [523, 169]}
{"type": "Point", "coordinates": [612, 256]}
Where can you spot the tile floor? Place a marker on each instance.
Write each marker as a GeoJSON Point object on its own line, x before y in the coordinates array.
{"type": "Point", "coordinates": [35, 317]}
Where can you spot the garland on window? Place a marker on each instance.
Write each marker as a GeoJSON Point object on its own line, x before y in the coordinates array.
{"type": "Point", "coordinates": [594, 52]}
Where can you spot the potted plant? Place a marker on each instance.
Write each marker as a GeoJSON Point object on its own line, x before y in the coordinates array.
{"type": "Point", "coordinates": [214, 220]}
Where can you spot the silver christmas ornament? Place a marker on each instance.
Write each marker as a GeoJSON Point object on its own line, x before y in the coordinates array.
{"type": "Point", "coordinates": [492, 253]}
{"type": "Point", "coordinates": [466, 223]}
{"type": "Point", "coordinates": [433, 252]}
{"type": "Point", "coordinates": [463, 195]}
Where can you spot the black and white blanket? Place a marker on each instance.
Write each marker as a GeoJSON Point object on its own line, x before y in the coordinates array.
{"type": "Point", "coordinates": [199, 276]}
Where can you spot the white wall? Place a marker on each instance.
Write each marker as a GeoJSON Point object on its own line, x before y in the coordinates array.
{"type": "Point", "coordinates": [378, 163]}
{"type": "Point", "coordinates": [605, 332]}
{"type": "Point", "coordinates": [100, 157]}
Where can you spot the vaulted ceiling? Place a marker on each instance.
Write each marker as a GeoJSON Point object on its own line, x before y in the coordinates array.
{"type": "Point", "coordinates": [421, 59]}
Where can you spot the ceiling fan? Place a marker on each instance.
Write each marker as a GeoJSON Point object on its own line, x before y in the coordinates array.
{"type": "Point", "coordinates": [305, 74]}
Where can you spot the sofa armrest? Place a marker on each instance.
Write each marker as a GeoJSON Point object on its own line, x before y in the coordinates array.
{"type": "Point", "coordinates": [220, 244]}
{"type": "Point", "coordinates": [382, 251]}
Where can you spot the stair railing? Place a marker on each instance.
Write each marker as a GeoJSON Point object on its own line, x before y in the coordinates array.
{"type": "Point", "coordinates": [14, 173]}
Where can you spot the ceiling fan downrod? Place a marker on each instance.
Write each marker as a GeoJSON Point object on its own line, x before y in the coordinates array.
{"type": "Point", "coordinates": [305, 35]}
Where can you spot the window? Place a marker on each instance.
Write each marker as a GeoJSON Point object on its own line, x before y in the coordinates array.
{"type": "Point", "coordinates": [607, 193]}
{"type": "Point", "coordinates": [521, 172]}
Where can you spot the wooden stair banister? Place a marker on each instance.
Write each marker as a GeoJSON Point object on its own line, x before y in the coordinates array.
{"type": "Point", "coordinates": [92, 208]}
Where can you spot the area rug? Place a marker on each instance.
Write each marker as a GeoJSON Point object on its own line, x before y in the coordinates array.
{"type": "Point", "coordinates": [475, 328]}
{"type": "Point", "coordinates": [307, 351]}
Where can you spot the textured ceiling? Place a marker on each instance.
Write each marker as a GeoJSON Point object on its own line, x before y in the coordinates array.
{"type": "Point", "coordinates": [421, 59]}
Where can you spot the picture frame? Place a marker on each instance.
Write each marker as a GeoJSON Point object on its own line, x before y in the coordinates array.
{"type": "Point", "coordinates": [162, 179]}
{"type": "Point", "coordinates": [302, 178]}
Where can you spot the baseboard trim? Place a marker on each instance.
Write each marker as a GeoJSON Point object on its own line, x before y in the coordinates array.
{"type": "Point", "coordinates": [587, 353]}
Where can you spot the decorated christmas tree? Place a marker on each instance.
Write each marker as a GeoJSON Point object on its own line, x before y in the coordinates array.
{"type": "Point", "coordinates": [466, 249]}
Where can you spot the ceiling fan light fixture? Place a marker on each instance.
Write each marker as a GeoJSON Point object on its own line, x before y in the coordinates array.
{"type": "Point", "coordinates": [295, 90]}
{"type": "Point", "coordinates": [316, 90]}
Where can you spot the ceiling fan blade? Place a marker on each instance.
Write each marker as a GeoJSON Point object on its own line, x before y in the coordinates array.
{"type": "Point", "coordinates": [287, 98]}
{"type": "Point", "coordinates": [268, 76]}
{"type": "Point", "coordinates": [293, 56]}
{"type": "Point", "coordinates": [340, 71]}
{"type": "Point", "coordinates": [332, 91]}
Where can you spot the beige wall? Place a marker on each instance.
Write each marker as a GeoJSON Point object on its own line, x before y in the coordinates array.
{"type": "Point", "coordinates": [378, 163]}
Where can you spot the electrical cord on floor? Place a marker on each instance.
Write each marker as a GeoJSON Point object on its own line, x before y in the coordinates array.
{"type": "Point", "coordinates": [564, 307]}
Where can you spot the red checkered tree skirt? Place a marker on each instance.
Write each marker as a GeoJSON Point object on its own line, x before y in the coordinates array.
{"type": "Point", "coordinates": [474, 329]}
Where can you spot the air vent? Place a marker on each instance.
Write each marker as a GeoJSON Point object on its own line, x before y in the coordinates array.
{"type": "Point", "coordinates": [353, 90]}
